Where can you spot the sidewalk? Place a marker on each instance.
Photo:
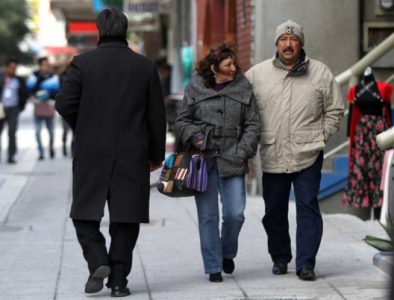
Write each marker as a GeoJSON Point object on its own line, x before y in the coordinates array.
{"type": "Point", "coordinates": [41, 259]}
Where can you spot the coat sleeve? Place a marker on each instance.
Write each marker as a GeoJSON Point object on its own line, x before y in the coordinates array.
{"type": "Point", "coordinates": [156, 119]}
{"type": "Point", "coordinates": [185, 129]}
{"type": "Point", "coordinates": [247, 146]}
{"type": "Point", "coordinates": [334, 108]}
{"type": "Point", "coordinates": [68, 99]}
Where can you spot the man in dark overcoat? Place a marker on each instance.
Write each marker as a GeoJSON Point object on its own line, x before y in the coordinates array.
{"type": "Point", "coordinates": [111, 98]}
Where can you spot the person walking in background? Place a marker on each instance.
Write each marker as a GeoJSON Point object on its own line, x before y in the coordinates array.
{"type": "Point", "coordinates": [301, 108]}
{"type": "Point", "coordinates": [111, 98]}
{"type": "Point", "coordinates": [13, 97]}
{"type": "Point", "coordinates": [219, 117]}
{"type": "Point", "coordinates": [43, 86]}
{"type": "Point", "coordinates": [66, 129]}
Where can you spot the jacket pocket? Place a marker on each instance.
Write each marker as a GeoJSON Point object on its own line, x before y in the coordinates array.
{"type": "Point", "coordinates": [267, 142]}
{"type": "Point", "coordinates": [315, 105]}
{"type": "Point", "coordinates": [307, 143]}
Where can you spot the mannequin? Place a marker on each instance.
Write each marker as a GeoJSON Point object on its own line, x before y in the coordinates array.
{"type": "Point", "coordinates": [369, 115]}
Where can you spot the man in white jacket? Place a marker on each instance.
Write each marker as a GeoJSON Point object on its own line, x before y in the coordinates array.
{"type": "Point", "coordinates": [301, 108]}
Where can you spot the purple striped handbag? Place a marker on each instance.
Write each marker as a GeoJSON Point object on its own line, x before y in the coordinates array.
{"type": "Point", "coordinates": [183, 175]}
{"type": "Point", "coordinates": [197, 177]}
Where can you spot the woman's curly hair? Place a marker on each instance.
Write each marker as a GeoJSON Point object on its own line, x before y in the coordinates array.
{"type": "Point", "coordinates": [214, 57]}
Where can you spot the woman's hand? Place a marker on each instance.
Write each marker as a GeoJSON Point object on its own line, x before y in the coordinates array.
{"type": "Point", "coordinates": [198, 144]}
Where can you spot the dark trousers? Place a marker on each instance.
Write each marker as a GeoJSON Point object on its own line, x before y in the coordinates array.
{"type": "Point", "coordinates": [120, 256]}
{"type": "Point", "coordinates": [276, 192]}
{"type": "Point", "coordinates": [11, 117]}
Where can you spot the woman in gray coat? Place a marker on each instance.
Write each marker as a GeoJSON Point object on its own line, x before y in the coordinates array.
{"type": "Point", "coordinates": [219, 117]}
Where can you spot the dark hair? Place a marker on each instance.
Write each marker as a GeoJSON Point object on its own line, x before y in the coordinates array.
{"type": "Point", "coordinates": [42, 59]}
{"type": "Point", "coordinates": [111, 23]}
{"type": "Point", "coordinates": [214, 57]}
{"type": "Point", "coordinates": [11, 60]}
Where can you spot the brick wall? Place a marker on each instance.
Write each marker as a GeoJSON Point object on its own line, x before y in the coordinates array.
{"type": "Point", "coordinates": [244, 34]}
{"type": "Point", "coordinates": [210, 24]}
{"type": "Point", "coordinates": [215, 24]}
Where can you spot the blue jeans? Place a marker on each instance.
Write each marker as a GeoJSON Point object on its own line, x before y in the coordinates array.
{"type": "Point", "coordinates": [38, 125]}
{"type": "Point", "coordinates": [276, 191]}
{"type": "Point", "coordinates": [216, 246]}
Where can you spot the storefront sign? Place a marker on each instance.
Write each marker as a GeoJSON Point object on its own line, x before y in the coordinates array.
{"type": "Point", "coordinates": [147, 6]}
{"type": "Point", "coordinates": [144, 21]}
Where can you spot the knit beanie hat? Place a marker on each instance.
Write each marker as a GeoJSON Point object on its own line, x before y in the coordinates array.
{"type": "Point", "coordinates": [289, 27]}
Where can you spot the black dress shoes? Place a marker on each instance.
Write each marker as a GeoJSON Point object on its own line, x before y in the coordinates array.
{"type": "Point", "coordinates": [118, 291]}
{"type": "Point", "coordinates": [306, 274]}
{"type": "Point", "coordinates": [95, 280]}
{"type": "Point", "coordinates": [228, 265]}
{"type": "Point", "coordinates": [279, 268]}
{"type": "Point", "coordinates": [216, 277]}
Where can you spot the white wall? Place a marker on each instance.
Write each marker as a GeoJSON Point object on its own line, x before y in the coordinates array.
{"type": "Point", "coordinates": [331, 29]}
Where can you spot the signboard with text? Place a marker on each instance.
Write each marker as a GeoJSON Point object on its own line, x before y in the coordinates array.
{"type": "Point", "coordinates": [146, 6]}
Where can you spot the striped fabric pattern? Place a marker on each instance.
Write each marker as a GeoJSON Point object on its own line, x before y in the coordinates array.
{"type": "Point", "coordinates": [197, 178]}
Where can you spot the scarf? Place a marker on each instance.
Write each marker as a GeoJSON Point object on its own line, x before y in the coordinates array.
{"type": "Point", "coordinates": [300, 68]}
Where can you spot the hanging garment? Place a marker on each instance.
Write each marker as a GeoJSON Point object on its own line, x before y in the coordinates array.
{"type": "Point", "coordinates": [369, 115]}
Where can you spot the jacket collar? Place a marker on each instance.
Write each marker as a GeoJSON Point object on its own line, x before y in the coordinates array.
{"type": "Point", "coordinates": [112, 42]}
{"type": "Point", "coordinates": [239, 90]}
{"type": "Point", "coordinates": [300, 68]}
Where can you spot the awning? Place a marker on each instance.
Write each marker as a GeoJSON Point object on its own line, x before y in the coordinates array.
{"type": "Point", "coordinates": [61, 50]}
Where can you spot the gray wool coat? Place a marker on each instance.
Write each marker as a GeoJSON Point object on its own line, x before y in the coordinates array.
{"type": "Point", "coordinates": [227, 121]}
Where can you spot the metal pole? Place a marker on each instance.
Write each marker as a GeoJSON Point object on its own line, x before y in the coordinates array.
{"type": "Point", "coordinates": [367, 60]}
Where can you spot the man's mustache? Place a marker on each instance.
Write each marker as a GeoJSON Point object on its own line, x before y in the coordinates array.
{"type": "Point", "coordinates": [288, 49]}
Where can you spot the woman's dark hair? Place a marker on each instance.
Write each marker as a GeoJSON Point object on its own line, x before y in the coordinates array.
{"type": "Point", "coordinates": [214, 57]}
{"type": "Point", "coordinates": [111, 24]}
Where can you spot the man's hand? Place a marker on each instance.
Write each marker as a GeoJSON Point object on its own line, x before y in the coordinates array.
{"type": "Point", "coordinates": [154, 165]}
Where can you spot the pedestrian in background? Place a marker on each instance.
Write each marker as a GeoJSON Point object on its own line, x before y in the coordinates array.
{"type": "Point", "coordinates": [301, 108]}
{"type": "Point", "coordinates": [62, 72]}
{"type": "Point", "coordinates": [13, 97]}
{"type": "Point", "coordinates": [43, 85]}
{"type": "Point", "coordinates": [111, 98]}
{"type": "Point", "coordinates": [219, 117]}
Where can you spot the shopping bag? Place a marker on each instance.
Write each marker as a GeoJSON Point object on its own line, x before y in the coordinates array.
{"type": "Point", "coordinates": [44, 110]}
{"type": "Point", "coordinates": [183, 175]}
